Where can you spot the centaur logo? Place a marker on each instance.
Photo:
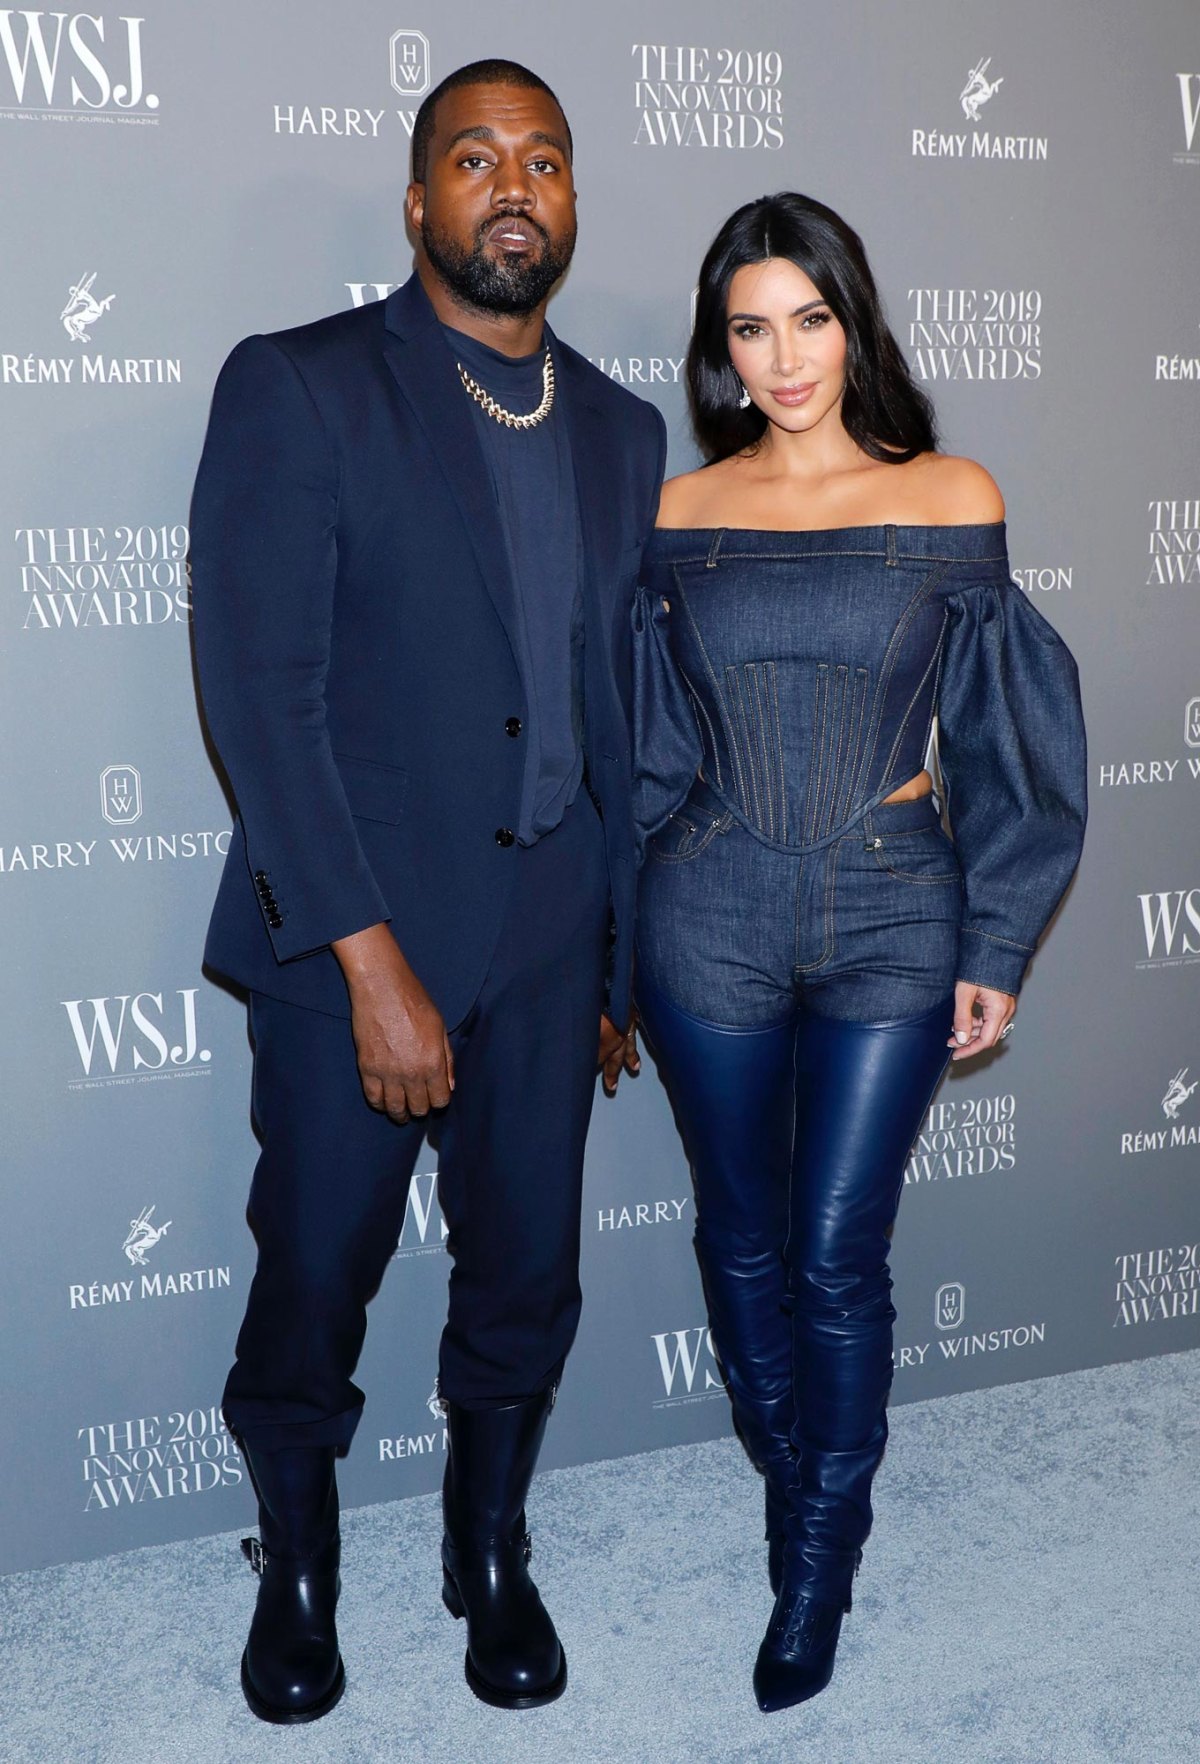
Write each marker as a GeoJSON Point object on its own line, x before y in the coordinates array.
{"type": "Point", "coordinates": [682, 1355]}
{"type": "Point", "coordinates": [143, 1235]}
{"type": "Point", "coordinates": [1170, 919]}
{"type": "Point", "coordinates": [83, 309]}
{"type": "Point", "coordinates": [1178, 1091]}
{"type": "Point", "coordinates": [979, 90]}
{"type": "Point", "coordinates": [75, 64]}
{"type": "Point", "coordinates": [424, 1230]}
{"type": "Point", "coordinates": [125, 1039]}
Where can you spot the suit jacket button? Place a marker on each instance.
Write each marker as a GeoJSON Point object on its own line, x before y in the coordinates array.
{"type": "Point", "coordinates": [260, 875]}
{"type": "Point", "coordinates": [504, 836]}
{"type": "Point", "coordinates": [275, 921]}
{"type": "Point", "coordinates": [513, 726]}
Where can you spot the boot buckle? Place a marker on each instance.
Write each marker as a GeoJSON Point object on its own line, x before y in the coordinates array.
{"type": "Point", "coordinates": [254, 1553]}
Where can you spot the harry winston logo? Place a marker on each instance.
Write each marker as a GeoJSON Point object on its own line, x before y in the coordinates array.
{"type": "Point", "coordinates": [1191, 722]}
{"type": "Point", "coordinates": [979, 90]}
{"type": "Point", "coordinates": [408, 53]}
{"type": "Point", "coordinates": [121, 795]}
{"type": "Point", "coordinates": [950, 1305]}
{"type": "Point", "coordinates": [143, 1235]}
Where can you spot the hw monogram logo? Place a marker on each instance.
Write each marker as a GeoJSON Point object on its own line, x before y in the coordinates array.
{"type": "Point", "coordinates": [1191, 722]}
{"type": "Point", "coordinates": [424, 1229]}
{"type": "Point", "coordinates": [950, 1305]}
{"type": "Point", "coordinates": [121, 795]}
{"type": "Point", "coordinates": [128, 1033]}
{"type": "Point", "coordinates": [682, 1354]}
{"type": "Point", "coordinates": [409, 56]}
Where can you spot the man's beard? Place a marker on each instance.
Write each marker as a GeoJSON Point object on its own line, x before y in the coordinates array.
{"type": "Point", "coordinates": [516, 284]}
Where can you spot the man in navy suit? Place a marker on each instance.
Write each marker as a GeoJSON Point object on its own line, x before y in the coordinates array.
{"type": "Point", "coordinates": [416, 533]}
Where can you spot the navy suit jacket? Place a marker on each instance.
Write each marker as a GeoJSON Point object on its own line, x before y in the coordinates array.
{"type": "Point", "coordinates": [354, 611]}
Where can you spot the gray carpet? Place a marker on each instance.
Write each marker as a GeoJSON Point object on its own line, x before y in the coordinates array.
{"type": "Point", "coordinates": [1030, 1596]}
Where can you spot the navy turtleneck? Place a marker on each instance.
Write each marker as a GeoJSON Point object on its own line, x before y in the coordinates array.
{"type": "Point", "coordinates": [535, 487]}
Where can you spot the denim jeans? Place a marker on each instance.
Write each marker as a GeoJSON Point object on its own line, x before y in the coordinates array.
{"type": "Point", "coordinates": [737, 933]}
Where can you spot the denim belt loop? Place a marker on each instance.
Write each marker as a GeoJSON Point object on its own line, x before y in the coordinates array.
{"type": "Point", "coordinates": [891, 546]}
{"type": "Point", "coordinates": [871, 840]}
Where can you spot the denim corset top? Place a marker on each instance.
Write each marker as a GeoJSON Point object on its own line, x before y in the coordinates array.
{"type": "Point", "coordinates": [802, 673]}
{"type": "Point", "coordinates": [813, 659]}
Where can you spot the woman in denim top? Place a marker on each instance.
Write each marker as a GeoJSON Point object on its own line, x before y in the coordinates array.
{"type": "Point", "coordinates": [812, 947]}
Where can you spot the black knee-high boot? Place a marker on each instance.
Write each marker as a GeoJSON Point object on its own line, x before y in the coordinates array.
{"type": "Point", "coordinates": [862, 1092]}
{"type": "Point", "coordinates": [514, 1658]}
{"type": "Point", "coordinates": [292, 1670]}
{"type": "Point", "coordinates": [733, 1098]}
{"type": "Point", "coordinates": [745, 1290]}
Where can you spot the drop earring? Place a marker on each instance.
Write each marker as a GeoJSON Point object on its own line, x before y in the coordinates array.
{"type": "Point", "coordinates": [744, 400]}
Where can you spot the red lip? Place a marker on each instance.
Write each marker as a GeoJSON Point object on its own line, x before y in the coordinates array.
{"type": "Point", "coordinates": [794, 395]}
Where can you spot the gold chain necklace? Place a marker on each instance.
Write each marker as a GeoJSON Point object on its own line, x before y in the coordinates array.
{"type": "Point", "coordinates": [507, 416]}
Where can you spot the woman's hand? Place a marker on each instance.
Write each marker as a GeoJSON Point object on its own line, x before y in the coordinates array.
{"type": "Point", "coordinates": [980, 1018]}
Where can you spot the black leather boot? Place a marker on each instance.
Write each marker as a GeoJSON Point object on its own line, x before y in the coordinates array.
{"type": "Point", "coordinates": [866, 1087]}
{"type": "Point", "coordinates": [744, 1289]}
{"type": "Point", "coordinates": [292, 1670]}
{"type": "Point", "coordinates": [795, 1660]}
{"type": "Point", "coordinates": [514, 1658]}
{"type": "Point", "coordinates": [732, 1090]}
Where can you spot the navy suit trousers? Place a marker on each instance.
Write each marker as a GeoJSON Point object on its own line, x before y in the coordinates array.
{"type": "Point", "coordinates": [330, 1188]}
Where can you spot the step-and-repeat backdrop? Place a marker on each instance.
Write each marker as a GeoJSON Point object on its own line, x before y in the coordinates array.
{"type": "Point", "coordinates": [1027, 180]}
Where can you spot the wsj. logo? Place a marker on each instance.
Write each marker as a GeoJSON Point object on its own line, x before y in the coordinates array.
{"type": "Point", "coordinates": [424, 1229]}
{"type": "Point", "coordinates": [98, 71]}
{"type": "Point", "coordinates": [359, 295]}
{"type": "Point", "coordinates": [1169, 918]}
{"type": "Point", "coordinates": [1177, 1093]}
{"type": "Point", "coordinates": [409, 55]}
{"type": "Point", "coordinates": [121, 795]}
{"type": "Point", "coordinates": [143, 1235]}
{"type": "Point", "coordinates": [683, 1356]}
{"type": "Point", "coordinates": [979, 90]}
{"type": "Point", "coordinates": [83, 309]}
{"type": "Point", "coordinates": [1189, 98]}
{"type": "Point", "coordinates": [135, 1036]}
{"type": "Point", "coordinates": [950, 1305]}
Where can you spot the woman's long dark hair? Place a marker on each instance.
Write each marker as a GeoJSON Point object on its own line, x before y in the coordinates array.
{"type": "Point", "coordinates": [883, 410]}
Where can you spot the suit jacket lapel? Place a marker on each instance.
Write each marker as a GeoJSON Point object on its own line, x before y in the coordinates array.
{"type": "Point", "coordinates": [420, 358]}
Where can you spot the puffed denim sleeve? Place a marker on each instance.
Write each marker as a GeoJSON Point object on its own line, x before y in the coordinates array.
{"type": "Point", "coordinates": [1014, 759]}
{"type": "Point", "coordinates": [666, 740]}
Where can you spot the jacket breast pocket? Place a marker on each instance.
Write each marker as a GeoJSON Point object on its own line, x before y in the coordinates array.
{"type": "Point", "coordinates": [375, 791]}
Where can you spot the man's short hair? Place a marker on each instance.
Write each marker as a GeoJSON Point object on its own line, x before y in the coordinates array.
{"type": "Point", "coordinates": [493, 72]}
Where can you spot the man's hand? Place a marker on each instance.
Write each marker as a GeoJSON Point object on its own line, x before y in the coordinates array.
{"type": "Point", "coordinates": [980, 1018]}
{"type": "Point", "coordinates": [404, 1055]}
{"type": "Point", "coordinates": [618, 1053]}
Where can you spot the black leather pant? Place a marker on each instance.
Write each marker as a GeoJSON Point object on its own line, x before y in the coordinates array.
{"type": "Point", "coordinates": [798, 1136]}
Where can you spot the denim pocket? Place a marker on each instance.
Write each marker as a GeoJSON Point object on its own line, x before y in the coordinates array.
{"type": "Point", "coordinates": [923, 855]}
{"type": "Point", "coordinates": [687, 833]}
